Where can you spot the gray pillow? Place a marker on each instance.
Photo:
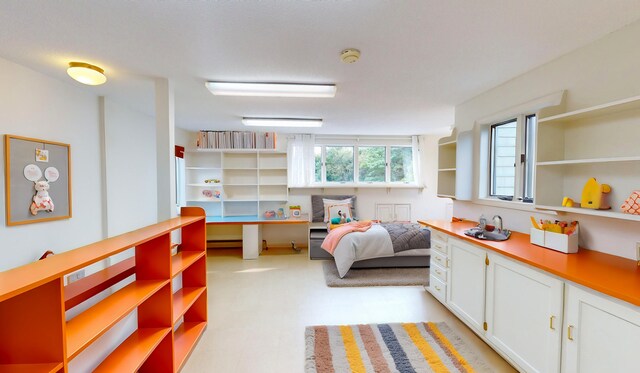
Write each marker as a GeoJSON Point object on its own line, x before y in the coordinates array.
{"type": "Point", "coordinates": [317, 206]}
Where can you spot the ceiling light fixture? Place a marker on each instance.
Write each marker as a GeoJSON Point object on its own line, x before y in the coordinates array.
{"type": "Point", "coordinates": [271, 89]}
{"type": "Point", "coordinates": [86, 73]}
{"type": "Point", "coordinates": [282, 122]}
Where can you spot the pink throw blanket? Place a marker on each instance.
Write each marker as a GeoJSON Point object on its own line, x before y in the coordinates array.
{"type": "Point", "coordinates": [331, 241]}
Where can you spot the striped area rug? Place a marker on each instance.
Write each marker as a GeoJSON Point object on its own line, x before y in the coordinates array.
{"type": "Point", "coordinates": [386, 348]}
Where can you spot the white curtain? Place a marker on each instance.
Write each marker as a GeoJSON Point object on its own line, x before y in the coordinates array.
{"type": "Point", "coordinates": [415, 149]}
{"type": "Point", "coordinates": [301, 160]}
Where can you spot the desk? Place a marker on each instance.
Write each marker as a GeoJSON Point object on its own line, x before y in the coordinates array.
{"type": "Point", "coordinates": [252, 230]}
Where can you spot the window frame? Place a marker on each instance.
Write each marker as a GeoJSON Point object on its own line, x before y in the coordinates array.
{"type": "Point", "coordinates": [356, 169]}
{"type": "Point", "coordinates": [521, 158]}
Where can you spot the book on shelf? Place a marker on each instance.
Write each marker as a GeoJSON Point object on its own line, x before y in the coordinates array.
{"type": "Point", "coordinates": [235, 140]}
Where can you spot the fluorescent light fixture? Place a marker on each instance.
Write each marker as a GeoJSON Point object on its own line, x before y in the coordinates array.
{"type": "Point", "coordinates": [271, 89]}
{"type": "Point", "coordinates": [86, 73]}
{"type": "Point", "coordinates": [282, 122]}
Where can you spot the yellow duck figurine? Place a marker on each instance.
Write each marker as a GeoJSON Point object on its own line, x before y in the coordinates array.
{"type": "Point", "coordinates": [594, 195]}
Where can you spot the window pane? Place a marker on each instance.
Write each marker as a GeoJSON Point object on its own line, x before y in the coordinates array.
{"type": "Point", "coordinates": [339, 163]}
{"type": "Point", "coordinates": [503, 158]}
{"type": "Point", "coordinates": [530, 146]}
{"type": "Point", "coordinates": [371, 163]}
{"type": "Point", "coordinates": [402, 164]}
{"type": "Point", "coordinates": [318, 160]}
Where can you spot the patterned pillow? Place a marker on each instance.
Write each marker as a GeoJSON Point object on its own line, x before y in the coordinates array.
{"type": "Point", "coordinates": [330, 202]}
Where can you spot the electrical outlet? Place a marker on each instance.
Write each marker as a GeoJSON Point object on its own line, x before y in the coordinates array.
{"type": "Point", "coordinates": [75, 276]}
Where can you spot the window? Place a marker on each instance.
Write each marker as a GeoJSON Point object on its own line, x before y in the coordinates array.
{"type": "Point", "coordinates": [367, 161]}
{"type": "Point", "coordinates": [512, 147]}
{"type": "Point", "coordinates": [339, 164]}
{"type": "Point", "coordinates": [402, 164]}
{"type": "Point", "coordinates": [372, 163]}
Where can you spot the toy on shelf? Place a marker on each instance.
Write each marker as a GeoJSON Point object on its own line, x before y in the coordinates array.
{"type": "Point", "coordinates": [594, 195]}
{"type": "Point", "coordinates": [568, 202]}
{"type": "Point", "coordinates": [632, 204]}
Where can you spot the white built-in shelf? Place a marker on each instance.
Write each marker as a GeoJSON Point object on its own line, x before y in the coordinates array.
{"type": "Point", "coordinates": [204, 200]}
{"type": "Point", "coordinates": [240, 168]}
{"type": "Point", "coordinates": [603, 213]}
{"type": "Point", "coordinates": [594, 111]}
{"type": "Point", "coordinates": [240, 200]}
{"type": "Point", "coordinates": [203, 168]}
{"type": "Point", "coordinates": [589, 161]}
{"type": "Point", "coordinates": [446, 169]}
{"type": "Point", "coordinates": [204, 185]}
{"type": "Point", "coordinates": [272, 168]}
{"type": "Point", "coordinates": [448, 143]}
{"type": "Point", "coordinates": [283, 199]}
{"type": "Point", "coordinates": [241, 184]}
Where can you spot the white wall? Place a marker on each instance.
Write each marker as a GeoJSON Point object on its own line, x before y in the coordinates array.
{"type": "Point", "coordinates": [603, 71]}
{"type": "Point", "coordinates": [37, 106]}
{"type": "Point", "coordinates": [131, 170]}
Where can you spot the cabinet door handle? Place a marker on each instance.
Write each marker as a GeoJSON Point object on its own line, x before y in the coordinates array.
{"type": "Point", "coordinates": [438, 272]}
{"type": "Point", "coordinates": [569, 329]}
{"type": "Point", "coordinates": [551, 322]}
{"type": "Point", "coordinates": [447, 263]}
{"type": "Point", "coordinates": [437, 288]}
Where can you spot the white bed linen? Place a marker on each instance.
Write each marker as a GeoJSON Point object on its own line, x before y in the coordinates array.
{"type": "Point", "coordinates": [374, 243]}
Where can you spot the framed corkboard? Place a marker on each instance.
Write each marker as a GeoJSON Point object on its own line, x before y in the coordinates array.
{"type": "Point", "coordinates": [30, 165]}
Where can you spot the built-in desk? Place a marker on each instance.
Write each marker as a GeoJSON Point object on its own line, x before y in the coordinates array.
{"type": "Point", "coordinates": [252, 230]}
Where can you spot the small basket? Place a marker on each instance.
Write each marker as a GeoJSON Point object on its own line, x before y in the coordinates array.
{"type": "Point", "coordinates": [565, 243]}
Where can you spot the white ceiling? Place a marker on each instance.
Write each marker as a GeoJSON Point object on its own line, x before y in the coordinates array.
{"type": "Point", "coordinates": [419, 58]}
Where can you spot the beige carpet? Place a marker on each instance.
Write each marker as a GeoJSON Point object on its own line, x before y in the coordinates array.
{"type": "Point", "coordinates": [405, 348]}
{"type": "Point", "coordinates": [375, 276]}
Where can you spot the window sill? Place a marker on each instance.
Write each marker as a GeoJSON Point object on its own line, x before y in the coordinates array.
{"type": "Point", "coordinates": [512, 205]}
{"type": "Point", "coordinates": [361, 185]}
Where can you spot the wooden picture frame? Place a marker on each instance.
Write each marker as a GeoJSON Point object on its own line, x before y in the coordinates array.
{"type": "Point", "coordinates": [26, 162]}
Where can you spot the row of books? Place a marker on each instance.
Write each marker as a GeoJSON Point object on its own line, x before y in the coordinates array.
{"type": "Point", "coordinates": [236, 140]}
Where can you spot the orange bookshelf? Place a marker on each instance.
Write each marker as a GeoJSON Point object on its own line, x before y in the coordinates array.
{"type": "Point", "coordinates": [36, 334]}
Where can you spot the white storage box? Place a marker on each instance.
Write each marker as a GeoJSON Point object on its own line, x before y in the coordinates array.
{"type": "Point", "coordinates": [556, 241]}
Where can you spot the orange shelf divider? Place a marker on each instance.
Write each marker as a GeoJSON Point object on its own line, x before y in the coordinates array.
{"type": "Point", "coordinates": [183, 299]}
{"type": "Point", "coordinates": [184, 338]}
{"type": "Point", "coordinates": [92, 323]}
{"type": "Point", "coordinates": [183, 260]}
{"type": "Point", "coordinates": [134, 351]}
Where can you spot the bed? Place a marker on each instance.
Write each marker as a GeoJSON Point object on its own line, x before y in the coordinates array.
{"type": "Point", "coordinates": [383, 245]}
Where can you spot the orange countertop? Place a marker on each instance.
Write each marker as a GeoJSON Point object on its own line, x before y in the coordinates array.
{"type": "Point", "coordinates": [609, 274]}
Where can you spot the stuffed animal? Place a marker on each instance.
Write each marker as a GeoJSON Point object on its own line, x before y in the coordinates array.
{"type": "Point", "coordinates": [41, 201]}
{"type": "Point", "coordinates": [594, 195]}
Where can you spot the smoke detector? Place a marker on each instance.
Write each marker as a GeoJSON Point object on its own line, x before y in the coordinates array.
{"type": "Point", "coordinates": [350, 55]}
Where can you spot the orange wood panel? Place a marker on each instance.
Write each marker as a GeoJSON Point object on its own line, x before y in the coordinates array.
{"type": "Point", "coordinates": [183, 299]}
{"type": "Point", "coordinates": [198, 310]}
{"type": "Point", "coordinates": [92, 323]}
{"type": "Point", "coordinates": [85, 288]}
{"type": "Point", "coordinates": [31, 368]}
{"type": "Point", "coordinates": [182, 260]}
{"type": "Point", "coordinates": [196, 274]}
{"type": "Point", "coordinates": [185, 338]}
{"type": "Point", "coordinates": [31, 326]}
{"type": "Point", "coordinates": [161, 359]}
{"type": "Point", "coordinates": [20, 279]}
{"type": "Point", "coordinates": [152, 258]}
{"type": "Point", "coordinates": [134, 351]}
{"type": "Point", "coordinates": [609, 274]}
{"type": "Point", "coordinates": [156, 311]}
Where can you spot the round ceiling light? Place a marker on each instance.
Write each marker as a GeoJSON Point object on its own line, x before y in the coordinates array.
{"type": "Point", "coordinates": [86, 73]}
{"type": "Point", "coordinates": [350, 55]}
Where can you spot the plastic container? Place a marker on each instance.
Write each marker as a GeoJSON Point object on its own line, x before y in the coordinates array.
{"type": "Point", "coordinates": [564, 243]}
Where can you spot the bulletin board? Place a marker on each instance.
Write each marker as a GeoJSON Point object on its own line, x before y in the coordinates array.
{"type": "Point", "coordinates": [29, 163]}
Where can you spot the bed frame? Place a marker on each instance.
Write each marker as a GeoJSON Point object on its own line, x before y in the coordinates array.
{"type": "Point", "coordinates": [318, 231]}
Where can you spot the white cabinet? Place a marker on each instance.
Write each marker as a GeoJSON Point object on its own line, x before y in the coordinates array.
{"type": "Point", "coordinates": [455, 162]}
{"type": "Point", "coordinates": [466, 282]}
{"type": "Point", "coordinates": [600, 142]}
{"type": "Point", "coordinates": [600, 335]}
{"type": "Point", "coordinates": [387, 212]}
{"type": "Point", "coordinates": [524, 314]}
{"type": "Point", "coordinates": [438, 263]}
{"type": "Point", "coordinates": [236, 182]}
{"type": "Point", "coordinates": [447, 167]}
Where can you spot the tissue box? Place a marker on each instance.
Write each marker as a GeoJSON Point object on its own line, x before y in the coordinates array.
{"type": "Point", "coordinates": [564, 243]}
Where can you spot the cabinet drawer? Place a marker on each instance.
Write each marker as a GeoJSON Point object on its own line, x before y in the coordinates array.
{"type": "Point", "coordinates": [437, 288]}
{"type": "Point", "coordinates": [437, 235]}
{"type": "Point", "coordinates": [439, 245]}
{"type": "Point", "coordinates": [439, 272]}
{"type": "Point", "coordinates": [439, 258]}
